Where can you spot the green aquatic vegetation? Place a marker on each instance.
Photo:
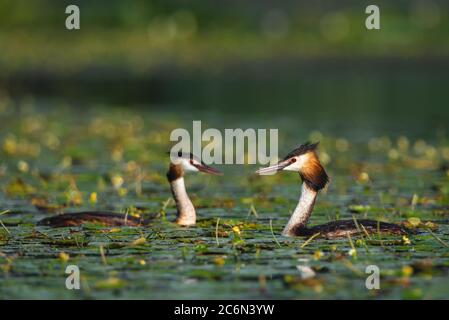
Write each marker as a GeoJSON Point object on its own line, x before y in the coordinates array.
{"type": "Point", "coordinates": [4, 236]}
{"type": "Point", "coordinates": [110, 161]}
{"type": "Point", "coordinates": [110, 283]}
{"type": "Point", "coordinates": [17, 187]}
{"type": "Point", "coordinates": [358, 208]}
{"type": "Point", "coordinates": [438, 239]}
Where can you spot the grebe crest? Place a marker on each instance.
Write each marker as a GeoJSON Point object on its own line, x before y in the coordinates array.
{"type": "Point", "coordinates": [304, 160]}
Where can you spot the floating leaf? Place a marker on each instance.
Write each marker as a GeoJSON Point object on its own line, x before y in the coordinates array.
{"type": "Point", "coordinates": [138, 242]}
{"type": "Point", "coordinates": [352, 252]}
{"type": "Point", "coordinates": [407, 271]}
{"type": "Point", "coordinates": [19, 188]}
{"type": "Point", "coordinates": [406, 240]}
{"type": "Point", "coordinates": [110, 283]}
{"type": "Point", "coordinates": [142, 262]}
{"type": "Point", "coordinates": [414, 221]}
{"type": "Point", "coordinates": [317, 255]}
{"type": "Point", "coordinates": [93, 198]}
{"type": "Point", "coordinates": [236, 230]}
{"type": "Point", "coordinates": [64, 257]}
{"type": "Point", "coordinates": [359, 208]}
{"type": "Point", "coordinates": [219, 261]}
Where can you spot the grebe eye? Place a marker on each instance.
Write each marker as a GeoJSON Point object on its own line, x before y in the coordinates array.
{"type": "Point", "coordinates": [191, 161]}
{"type": "Point", "coordinates": [293, 160]}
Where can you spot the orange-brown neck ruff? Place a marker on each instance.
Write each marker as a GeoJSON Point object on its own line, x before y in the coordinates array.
{"type": "Point", "coordinates": [313, 173]}
{"type": "Point", "coordinates": [175, 171]}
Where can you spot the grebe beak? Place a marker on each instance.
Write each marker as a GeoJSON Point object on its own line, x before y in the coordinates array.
{"type": "Point", "coordinates": [275, 168]}
{"type": "Point", "coordinates": [206, 169]}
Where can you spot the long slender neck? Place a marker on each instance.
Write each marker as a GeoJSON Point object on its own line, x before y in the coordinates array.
{"type": "Point", "coordinates": [302, 211]}
{"type": "Point", "coordinates": [186, 210]}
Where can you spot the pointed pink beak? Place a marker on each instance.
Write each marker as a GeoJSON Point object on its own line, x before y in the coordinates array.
{"type": "Point", "coordinates": [275, 168]}
{"type": "Point", "coordinates": [206, 169]}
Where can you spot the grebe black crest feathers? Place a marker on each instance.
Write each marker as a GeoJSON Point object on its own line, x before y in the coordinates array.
{"type": "Point", "coordinates": [302, 149]}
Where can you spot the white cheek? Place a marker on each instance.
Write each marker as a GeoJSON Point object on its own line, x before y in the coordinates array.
{"type": "Point", "coordinates": [296, 166]}
{"type": "Point", "coordinates": [302, 161]}
{"type": "Point", "coordinates": [188, 167]}
{"type": "Point", "coordinates": [293, 167]}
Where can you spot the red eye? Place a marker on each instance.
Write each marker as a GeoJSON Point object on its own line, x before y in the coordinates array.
{"type": "Point", "coordinates": [191, 161]}
{"type": "Point", "coordinates": [293, 160]}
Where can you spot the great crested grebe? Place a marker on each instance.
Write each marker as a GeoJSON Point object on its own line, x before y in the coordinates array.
{"type": "Point", "coordinates": [180, 164]}
{"type": "Point", "coordinates": [304, 160]}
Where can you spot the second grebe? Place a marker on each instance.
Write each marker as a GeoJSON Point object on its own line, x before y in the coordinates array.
{"type": "Point", "coordinates": [304, 160]}
{"type": "Point", "coordinates": [179, 164]}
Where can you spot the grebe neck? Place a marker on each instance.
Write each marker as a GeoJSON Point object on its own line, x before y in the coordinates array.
{"type": "Point", "coordinates": [186, 210]}
{"type": "Point", "coordinates": [302, 211]}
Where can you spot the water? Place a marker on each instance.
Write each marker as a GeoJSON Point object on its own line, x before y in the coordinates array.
{"type": "Point", "coordinates": [58, 155]}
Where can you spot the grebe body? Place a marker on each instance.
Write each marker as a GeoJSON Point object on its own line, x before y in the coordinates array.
{"type": "Point", "coordinates": [344, 228]}
{"type": "Point", "coordinates": [304, 160]}
{"type": "Point", "coordinates": [110, 219]}
{"type": "Point", "coordinates": [186, 215]}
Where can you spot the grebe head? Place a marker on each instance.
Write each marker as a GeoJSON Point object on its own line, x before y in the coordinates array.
{"type": "Point", "coordinates": [305, 161]}
{"type": "Point", "coordinates": [187, 162]}
{"type": "Point", "coordinates": [179, 164]}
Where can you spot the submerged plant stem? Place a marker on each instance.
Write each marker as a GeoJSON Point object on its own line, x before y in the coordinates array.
{"type": "Point", "coordinates": [216, 232]}
{"type": "Point", "coordinates": [272, 233]}
{"type": "Point", "coordinates": [310, 239]}
{"type": "Point", "coordinates": [438, 239]}
{"type": "Point", "coordinates": [1, 222]}
{"type": "Point", "coordinates": [103, 257]}
{"type": "Point", "coordinates": [4, 227]}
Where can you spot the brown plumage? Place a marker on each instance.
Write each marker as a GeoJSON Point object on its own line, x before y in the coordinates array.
{"type": "Point", "coordinates": [343, 228]}
{"type": "Point", "coordinates": [312, 172]}
{"type": "Point", "coordinates": [305, 161]}
{"type": "Point", "coordinates": [179, 164]}
{"type": "Point", "coordinates": [175, 171]}
{"type": "Point", "coordinates": [110, 219]}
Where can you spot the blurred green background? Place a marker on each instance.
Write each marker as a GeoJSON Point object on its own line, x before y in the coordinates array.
{"type": "Point", "coordinates": [313, 61]}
